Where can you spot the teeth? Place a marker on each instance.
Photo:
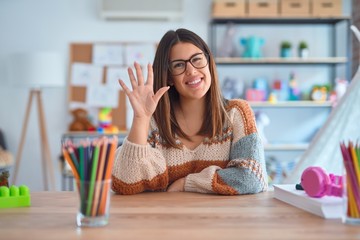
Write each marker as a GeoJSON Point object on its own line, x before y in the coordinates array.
{"type": "Point", "coordinates": [194, 82]}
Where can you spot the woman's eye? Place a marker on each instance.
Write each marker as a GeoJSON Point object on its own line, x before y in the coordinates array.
{"type": "Point", "coordinates": [178, 65]}
{"type": "Point", "coordinates": [196, 59]}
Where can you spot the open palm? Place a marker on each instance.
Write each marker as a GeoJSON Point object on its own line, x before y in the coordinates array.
{"type": "Point", "coordinates": [142, 97]}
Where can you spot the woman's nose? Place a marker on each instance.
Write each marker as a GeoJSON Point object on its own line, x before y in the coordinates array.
{"type": "Point", "coordinates": [189, 68]}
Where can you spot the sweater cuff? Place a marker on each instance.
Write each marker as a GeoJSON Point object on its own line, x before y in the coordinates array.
{"type": "Point", "coordinates": [190, 184]}
{"type": "Point", "coordinates": [132, 149]}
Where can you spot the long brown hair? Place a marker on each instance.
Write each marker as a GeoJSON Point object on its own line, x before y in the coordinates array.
{"type": "Point", "coordinates": [164, 115]}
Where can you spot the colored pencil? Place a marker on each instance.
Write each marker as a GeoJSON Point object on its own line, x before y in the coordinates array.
{"type": "Point", "coordinates": [107, 175]}
{"type": "Point", "coordinates": [71, 163]}
{"type": "Point", "coordinates": [92, 179]}
{"type": "Point", "coordinates": [99, 175]}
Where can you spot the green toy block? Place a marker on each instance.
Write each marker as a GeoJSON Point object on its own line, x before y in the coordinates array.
{"type": "Point", "coordinates": [14, 196]}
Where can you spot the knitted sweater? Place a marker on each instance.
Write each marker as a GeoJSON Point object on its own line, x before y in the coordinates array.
{"type": "Point", "coordinates": [229, 164]}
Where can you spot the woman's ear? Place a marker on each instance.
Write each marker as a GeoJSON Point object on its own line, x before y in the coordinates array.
{"type": "Point", "coordinates": [170, 82]}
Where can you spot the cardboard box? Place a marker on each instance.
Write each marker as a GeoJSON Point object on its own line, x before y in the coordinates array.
{"type": "Point", "coordinates": [326, 8]}
{"type": "Point", "coordinates": [263, 8]}
{"type": "Point", "coordinates": [229, 8]}
{"type": "Point", "coordinates": [295, 8]}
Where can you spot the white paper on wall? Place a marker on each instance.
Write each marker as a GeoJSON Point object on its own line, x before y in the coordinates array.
{"type": "Point", "coordinates": [113, 74]}
{"type": "Point", "coordinates": [84, 74]}
{"type": "Point", "coordinates": [108, 54]}
{"type": "Point", "coordinates": [102, 95]}
{"type": "Point", "coordinates": [141, 53]}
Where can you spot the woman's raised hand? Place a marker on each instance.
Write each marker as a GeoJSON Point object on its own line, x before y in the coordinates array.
{"type": "Point", "coordinates": [142, 97]}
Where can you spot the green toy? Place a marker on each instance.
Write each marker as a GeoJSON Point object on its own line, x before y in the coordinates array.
{"type": "Point", "coordinates": [14, 196]}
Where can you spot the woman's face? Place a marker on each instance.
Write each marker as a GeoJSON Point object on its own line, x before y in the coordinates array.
{"type": "Point", "coordinates": [193, 78]}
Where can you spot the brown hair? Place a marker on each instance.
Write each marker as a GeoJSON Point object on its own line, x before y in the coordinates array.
{"type": "Point", "coordinates": [164, 114]}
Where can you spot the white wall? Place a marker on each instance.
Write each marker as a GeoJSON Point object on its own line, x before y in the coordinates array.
{"type": "Point", "coordinates": [50, 25]}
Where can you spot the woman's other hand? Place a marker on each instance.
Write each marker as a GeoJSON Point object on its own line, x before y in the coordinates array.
{"type": "Point", "coordinates": [177, 186]}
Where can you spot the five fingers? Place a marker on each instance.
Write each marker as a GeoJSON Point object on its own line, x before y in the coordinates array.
{"type": "Point", "coordinates": [140, 81]}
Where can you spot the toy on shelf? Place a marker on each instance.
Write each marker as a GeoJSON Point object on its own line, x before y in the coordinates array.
{"type": "Point", "coordinates": [278, 170]}
{"type": "Point", "coordinates": [81, 121]}
{"type": "Point", "coordinates": [281, 90]}
{"type": "Point", "coordinates": [227, 47]}
{"type": "Point", "coordinates": [340, 87]}
{"type": "Point", "coordinates": [4, 178]}
{"type": "Point", "coordinates": [319, 93]}
{"type": "Point", "coordinates": [252, 46]}
{"type": "Point", "coordinates": [14, 196]}
{"type": "Point", "coordinates": [6, 158]}
{"type": "Point", "coordinates": [259, 90]}
{"type": "Point", "coordinates": [294, 92]}
{"type": "Point", "coordinates": [232, 88]}
{"type": "Point", "coordinates": [105, 121]}
{"type": "Point", "coordinates": [273, 97]}
{"type": "Point", "coordinates": [339, 90]}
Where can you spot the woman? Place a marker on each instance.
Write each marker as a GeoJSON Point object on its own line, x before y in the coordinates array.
{"type": "Point", "coordinates": [185, 136]}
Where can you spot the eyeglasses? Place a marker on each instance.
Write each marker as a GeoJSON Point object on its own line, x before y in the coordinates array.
{"type": "Point", "coordinates": [198, 61]}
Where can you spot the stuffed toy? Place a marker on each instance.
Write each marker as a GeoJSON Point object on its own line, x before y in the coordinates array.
{"type": "Point", "coordinates": [6, 158]}
{"type": "Point", "coordinates": [81, 121]}
{"type": "Point", "coordinates": [252, 46]}
{"type": "Point", "coordinates": [4, 178]}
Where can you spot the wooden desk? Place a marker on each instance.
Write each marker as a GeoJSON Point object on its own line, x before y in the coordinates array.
{"type": "Point", "coordinates": [172, 216]}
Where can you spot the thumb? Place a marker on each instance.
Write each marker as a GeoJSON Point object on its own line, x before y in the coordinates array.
{"type": "Point", "coordinates": [160, 93]}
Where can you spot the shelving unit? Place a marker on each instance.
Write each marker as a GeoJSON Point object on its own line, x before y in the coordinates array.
{"type": "Point", "coordinates": [336, 63]}
{"type": "Point", "coordinates": [292, 104]}
{"type": "Point", "coordinates": [274, 60]}
{"type": "Point", "coordinates": [333, 60]}
{"type": "Point", "coordinates": [286, 147]}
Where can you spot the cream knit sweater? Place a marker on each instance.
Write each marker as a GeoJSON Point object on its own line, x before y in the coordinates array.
{"type": "Point", "coordinates": [229, 164]}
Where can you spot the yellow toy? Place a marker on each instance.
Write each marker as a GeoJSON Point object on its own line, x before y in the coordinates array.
{"type": "Point", "coordinates": [105, 121]}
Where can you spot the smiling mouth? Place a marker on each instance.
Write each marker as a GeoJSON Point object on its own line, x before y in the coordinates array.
{"type": "Point", "coordinates": [194, 82]}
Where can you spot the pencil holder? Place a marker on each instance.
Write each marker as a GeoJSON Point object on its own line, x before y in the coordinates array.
{"type": "Point", "coordinates": [351, 183]}
{"type": "Point", "coordinates": [351, 204]}
{"type": "Point", "coordinates": [94, 203]}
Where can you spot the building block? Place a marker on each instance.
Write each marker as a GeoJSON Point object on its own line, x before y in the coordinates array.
{"type": "Point", "coordinates": [14, 196]}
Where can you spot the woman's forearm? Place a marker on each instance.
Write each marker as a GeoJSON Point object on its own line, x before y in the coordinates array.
{"type": "Point", "coordinates": [139, 131]}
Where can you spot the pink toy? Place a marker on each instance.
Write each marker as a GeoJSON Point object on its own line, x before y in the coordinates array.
{"type": "Point", "coordinates": [317, 183]}
{"type": "Point", "coordinates": [255, 95]}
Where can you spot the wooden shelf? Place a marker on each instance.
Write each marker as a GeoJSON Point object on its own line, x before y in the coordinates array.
{"type": "Point", "coordinates": [291, 104]}
{"type": "Point", "coordinates": [286, 147]}
{"type": "Point", "coordinates": [278, 60]}
{"type": "Point", "coordinates": [281, 20]}
{"type": "Point", "coordinates": [77, 137]}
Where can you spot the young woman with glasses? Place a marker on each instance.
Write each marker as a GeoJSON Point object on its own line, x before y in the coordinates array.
{"type": "Point", "coordinates": [185, 136]}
